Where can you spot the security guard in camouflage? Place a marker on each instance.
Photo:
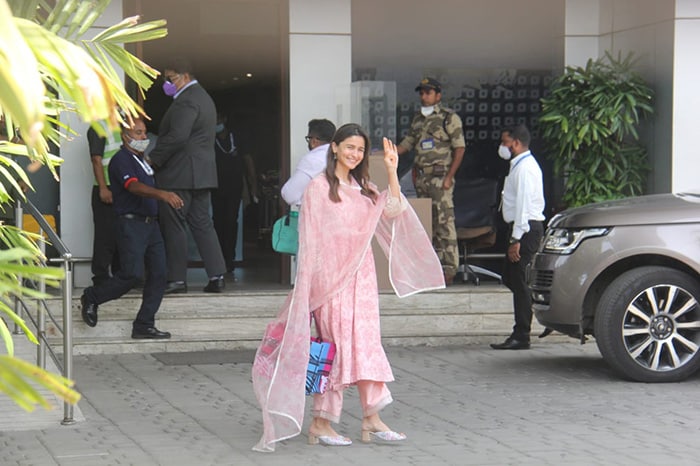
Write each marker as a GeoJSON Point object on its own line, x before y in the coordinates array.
{"type": "Point", "coordinates": [436, 135]}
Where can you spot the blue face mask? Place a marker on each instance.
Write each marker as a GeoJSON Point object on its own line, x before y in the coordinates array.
{"type": "Point", "coordinates": [219, 127]}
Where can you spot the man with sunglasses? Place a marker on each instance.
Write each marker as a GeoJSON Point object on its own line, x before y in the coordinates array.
{"type": "Point", "coordinates": [314, 162]}
{"type": "Point", "coordinates": [184, 162]}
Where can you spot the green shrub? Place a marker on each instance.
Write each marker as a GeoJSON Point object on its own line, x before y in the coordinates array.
{"type": "Point", "coordinates": [589, 124]}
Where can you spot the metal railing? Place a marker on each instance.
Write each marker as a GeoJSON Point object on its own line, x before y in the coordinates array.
{"type": "Point", "coordinates": [67, 261]}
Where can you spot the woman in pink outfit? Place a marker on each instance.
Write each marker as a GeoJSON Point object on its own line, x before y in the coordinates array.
{"type": "Point", "coordinates": [336, 281]}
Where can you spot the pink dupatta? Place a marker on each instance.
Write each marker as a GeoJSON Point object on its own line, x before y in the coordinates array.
{"type": "Point", "coordinates": [333, 240]}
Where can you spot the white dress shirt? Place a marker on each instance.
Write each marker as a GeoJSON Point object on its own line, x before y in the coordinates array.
{"type": "Point", "coordinates": [308, 167]}
{"type": "Point", "coordinates": [523, 194]}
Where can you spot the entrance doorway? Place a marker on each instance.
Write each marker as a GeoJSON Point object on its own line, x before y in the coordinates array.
{"type": "Point", "coordinates": [239, 53]}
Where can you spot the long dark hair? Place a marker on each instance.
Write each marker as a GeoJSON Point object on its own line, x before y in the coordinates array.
{"type": "Point", "coordinates": [360, 172]}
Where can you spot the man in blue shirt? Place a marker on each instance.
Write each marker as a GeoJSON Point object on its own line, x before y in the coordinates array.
{"type": "Point", "coordinates": [139, 241]}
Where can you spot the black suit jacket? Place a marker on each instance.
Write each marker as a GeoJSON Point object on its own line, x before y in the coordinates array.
{"type": "Point", "coordinates": [184, 154]}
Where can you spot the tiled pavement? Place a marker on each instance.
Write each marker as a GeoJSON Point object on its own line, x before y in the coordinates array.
{"type": "Point", "coordinates": [555, 404]}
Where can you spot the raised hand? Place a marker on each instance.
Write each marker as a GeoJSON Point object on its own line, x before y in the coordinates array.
{"type": "Point", "coordinates": [391, 155]}
{"type": "Point", "coordinates": [391, 162]}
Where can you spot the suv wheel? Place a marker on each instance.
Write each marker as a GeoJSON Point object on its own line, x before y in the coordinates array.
{"type": "Point", "coordinates": [647, 324]}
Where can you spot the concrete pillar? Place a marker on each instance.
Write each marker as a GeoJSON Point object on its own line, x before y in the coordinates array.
{"type": "Point", "coordinates": [586, 22]}
{"type": "Point", "coordinates": [320, 66]}
{"type": "Point", "coordinates": [76, 228]}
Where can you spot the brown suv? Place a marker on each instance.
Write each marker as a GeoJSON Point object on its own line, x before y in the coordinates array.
{"type": "Point", "coordinates": [627, 272]}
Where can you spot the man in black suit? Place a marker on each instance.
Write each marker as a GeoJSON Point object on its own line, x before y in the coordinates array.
{"type": "Point", "coordinates": [184, 162]}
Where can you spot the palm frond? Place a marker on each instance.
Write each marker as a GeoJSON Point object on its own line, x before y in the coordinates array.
{"type": "Point", "coordinates": [22, 92]}
{"type": "Point", "coordinates": [25, 8]}
{"type": "Point", "coordinates": [46, 67]}
{"type": "Point", "coordinates": [15, 376]}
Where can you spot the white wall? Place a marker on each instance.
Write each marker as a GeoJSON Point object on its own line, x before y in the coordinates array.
{"type": "Point", "coordinates": [76, 176]}
{"type": "Point", "coordinates": [583, 30]}
{"type": "Point", "coordinates": [320, 66]}
{"type": "Point", "coordinates": [646, 28]}
{"type": "Point", "coordinates": [457, 33]}
{"type": "Point", "coordinates": [686, 99]}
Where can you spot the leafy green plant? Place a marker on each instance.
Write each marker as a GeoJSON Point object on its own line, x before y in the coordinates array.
{"type": "Point", "coordinates": [590, 123]}
{"type": "Point", "coordinates": [48, 67]}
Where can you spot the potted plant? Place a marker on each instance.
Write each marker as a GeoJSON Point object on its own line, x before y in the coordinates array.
{"type": "Point", "coordinates": [589, 122]}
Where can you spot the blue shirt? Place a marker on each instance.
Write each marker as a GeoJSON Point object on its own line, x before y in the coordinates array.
{"type": "Point", "coordinates": [125, 168]}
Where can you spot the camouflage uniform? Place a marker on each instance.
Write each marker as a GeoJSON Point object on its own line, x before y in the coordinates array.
{"type": "Point", "coordinates": [434, 138]}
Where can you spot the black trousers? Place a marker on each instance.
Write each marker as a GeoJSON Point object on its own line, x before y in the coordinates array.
{"type": "Point", "coordinates": [105, 256]}
{"type": "Point", "coordinates": [515, 278]}
{"type": "Point", "coordinates": [225, 205]}
{"type": "Point", "coordinates": [174, 224]}
{"type": "Point", "coordinates": [140, 245]}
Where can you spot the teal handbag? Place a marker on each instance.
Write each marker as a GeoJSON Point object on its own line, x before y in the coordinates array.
{"type": "Point", "coordinates": [285, 236]}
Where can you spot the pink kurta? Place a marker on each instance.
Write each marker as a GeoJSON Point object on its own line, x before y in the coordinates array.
{"type": "Point", "coordinates": [336, 277]}
{"type": "Point", "coordinates": [350, 318]}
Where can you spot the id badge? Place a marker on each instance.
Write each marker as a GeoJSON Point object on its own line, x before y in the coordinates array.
{"type": "Point", "coordinates": [427, 144]}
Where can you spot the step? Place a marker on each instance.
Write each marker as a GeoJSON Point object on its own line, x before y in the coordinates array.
{"type": "Point", "coordinates": [236, 320]}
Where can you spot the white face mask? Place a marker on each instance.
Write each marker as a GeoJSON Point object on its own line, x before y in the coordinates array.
{"type": "Point", "coordinates": [504, 152]}
{"type": "Point", "coordinates": [139, 145]}
{"type": "Point", "coordinates": [426, 111]}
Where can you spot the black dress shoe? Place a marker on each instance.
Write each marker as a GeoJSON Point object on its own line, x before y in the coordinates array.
{"type": "Point", "coordinates": [150, 333]}
{"type": "Point", "coordinates": [88, 311]}
{"type": "Point", "coordinates": [175, 287]}
{"type": "Point", "coordinates": [216, 285]}
{"type": "Point", "coordinates": [511, 344]}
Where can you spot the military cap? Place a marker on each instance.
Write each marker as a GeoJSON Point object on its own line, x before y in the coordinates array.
{"type": "Point", "coordinates": [429, 83]}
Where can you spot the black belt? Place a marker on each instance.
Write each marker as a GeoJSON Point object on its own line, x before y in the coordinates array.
{"type": "Point", "coordinates": [437, 170]}
{"type": "Point", "coordinates": [142, 218]}
{"type": "Point", "coordinates": [530, 222]}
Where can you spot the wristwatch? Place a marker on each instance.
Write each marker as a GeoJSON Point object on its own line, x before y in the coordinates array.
{"type": "Point", "coordinates": [513, 241]}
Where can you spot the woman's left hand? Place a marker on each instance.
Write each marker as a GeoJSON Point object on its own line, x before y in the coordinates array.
{"type": "Point", "coordinates": [391, 155]}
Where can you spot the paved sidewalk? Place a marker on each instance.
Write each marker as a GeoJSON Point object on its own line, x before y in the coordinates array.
{"type": "Point", "coordinates": [555, 404]}
{"type": "Point", "coordinates": [14, 418]}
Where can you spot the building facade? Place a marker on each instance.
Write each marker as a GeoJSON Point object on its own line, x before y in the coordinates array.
{"type": "Point", "coordinates": [305, 59]}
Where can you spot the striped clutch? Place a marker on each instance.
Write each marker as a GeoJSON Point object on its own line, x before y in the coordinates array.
{"type": "Point", "coordinates": [321, 356]}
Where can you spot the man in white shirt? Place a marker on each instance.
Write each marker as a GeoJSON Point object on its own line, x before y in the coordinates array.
{"type": "Point", "coordinates": [523, 211]}
{"type": "Point", "coordinates": [318, 139]}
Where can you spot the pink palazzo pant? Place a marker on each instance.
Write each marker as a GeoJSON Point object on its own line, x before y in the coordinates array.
{"type": "Point", "coordinates": [373, 397]}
